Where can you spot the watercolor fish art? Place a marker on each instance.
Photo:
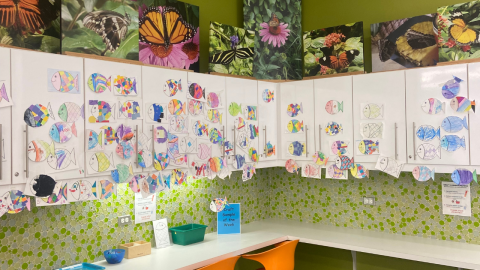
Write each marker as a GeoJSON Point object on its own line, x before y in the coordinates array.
{"type": "Point", "coordinates": [125, 86]}
{"type": "Point", "coordinates": [295, 126]}
{"type": "Point", "coordinates": [433, 106]}
{"type": "Point", "coordinates": [171, 87]}
{"type": "Point", "coordinates": [427, 133]}
{"type": "Point", "coordinates": [291, 166]}
{"type": "Point", "coordinates": [320, 158]}
{"type": "Point", "coordinates": [294, 109]}
{"type": "Point", "coordinates": [64, 82]}
{"type": "Point", "coordinates": [423, 173]}
{"type": "Point", "coordinates": [234, 109]}
{"type": "Point", "coordinates": [451, 88]}
{"type": "Point", "coordinates": [297, 148]}
{"type": "Point", "coordinates": [333, 107]}
{"type": "Point", "coordinates": [359, 171]}
{"type": "Point", "coordinates": [339, 148]}
{"type": "Point", "coordinates": [368, 147]}
{"type": "Point", "coordinates": [333, 128]}
{"type": "Point", "coordinates": [217, 205]}
{"type": "Point", "coordinates": [213, 100]}
{"type": "Point", "coordinates": [250, 112]}
{"type": "Point", "coordinates": [37, 115]}
{"type": "Point", "coordinates": [99, 83]}
{"type": "Point", "coordinates": [214, 116]}
{"type": "Point", "coordinates": [195, 107]}
{"type": "Point", "coordinates": [462, 104]}
{"type": "Point", "coordinates": [452, 142]}
{"type": "Point", "coordinates": [267, 95]}
{"type": "Point", "coordinates": [464, 176]}
{"type": "Point", "coordinates": [122, 173]}
{"type": "Point", "coordinates": [454, 124]}
{"type": "Point", "coordinates": [62, 132]}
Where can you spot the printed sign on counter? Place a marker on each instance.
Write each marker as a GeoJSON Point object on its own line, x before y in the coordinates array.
{"type": "Point", "coordinates": [229, 220]}
{"type": "Point", "coordinates": [145, 208]}
{"type": "Point", "coordinates": [456, 199]}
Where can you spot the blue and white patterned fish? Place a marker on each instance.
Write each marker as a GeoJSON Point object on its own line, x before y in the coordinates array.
{"type": "Point", "coordinates": [427, 133]}
{"type": "Point", "coordinates": [433, 106]}
{"type": "Point", "coordinates": [452, 142]}
{"type": "Point", "coordinates": [428, 151]}
{"type": "Point", "coordinates": [423, 173]}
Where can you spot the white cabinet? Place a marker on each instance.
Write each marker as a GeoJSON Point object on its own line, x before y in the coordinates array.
{"type": "Point", "coordinates": [379, 108]}
{"type": "Point", "coordinates": [5, 120]}
{"type": "Point", "coordinates": [48, 93]}
{"type": "Point", "coordinates": [299, 97]}
{"type": "Point", "coordinates": [474, 124]}
{"type": "Point", "coordinates": [424, 95]}
{"type": "Point", "coordinates": [333, 105]}
{"type": "Point", "coordinates": [268, 96]}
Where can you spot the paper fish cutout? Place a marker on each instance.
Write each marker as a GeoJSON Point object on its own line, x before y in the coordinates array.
{"type": "Point", "coordinates": [125, 86]}
{"type": "Point", "coordinates": [100, 162]}
{"type": "Point", "coordinates": [130, 109]}
{"type": "Point", "coordinates": [172, 144]}
{"type": "Point", "coordinates": [109, 135]}
{"type": "Point", "coordinates": [99, 83]}
{"type": "Point", "coordinates": [155, 184]}
{"type": "Point", "coordinates": [339, 148]}
{"type": "Point", "coordinates": [179, 159]}
{"type": "Point", "coordinates": [319, 158]}
{"type": "Point", "coordinates": [122, 173]}
{"type": "Point", "coordinates": [294, 109]}
{"type": "Point", "coordinates": [200, 129]}
{"type": "Point", "coordinates": [134, 183]}
{"type": "Point", "coordinates": [372, 130]}
{"type": "Point", "coordinates": [214, 100]}
{"type": "Point", "coordinates": [107, 189]}
{"type": "Point", "coordinates": [433, 106]}
{"type": "Point", "coordinates": [5, 203]}
{"type": "Point", "coordinates": [269, 149]}
{"type": "Point", "coordinates": [196, 91]}
{"type": "Point", "coordinates": [195, 107]}
{"type": "Point", "coordinates": [267, 96]}
{"type": "Point", "coordinates": [156, 112]}
{"type": "Point", "coordinates": [333, 107]}
{"type": "Point", "coordinates": [389, 166]}
{"type": "Point", "coordinates": [344, 163]}
{"type": "Point", "coordinates": [239, 162]}
{"type": "Point", "coordinates": [179, 176]}
{"type": "Point", "coordinates": [228, 148]}
{"type": "Point", "coordinates": [463, 176]}
{"type": "Point", "coordinates": [454, 124]}
{"type": "Point", "coordinates": [333, 128]}
{"type": "Point", "coordinates": [5, 99]}
{"type": "Point", "coordinates": [18, 202]}
{"type": "Point", "coordinates": [62, 132]}
{"type": "Point", "coordinates": [295, 126]}
{"type": "Point", "coordinates": [101, 112]}
{"type": "Point", "coordinates": [427, 133]}
{"type": "Point", "coordinates": [249, 171]}
{"type": "Point", "coordinates": [39, 150]}
{"type": "Point", "coordinates": [176, 107]}
{"type": "Point", "coordinates": [37, 115]}
{"type": "Point", "coordinates": [462, 104]}
{"type": "Point", "coordinates": [297, 148]}
{"type": "Point", "coordinates": [161, 134]}
{"type": "Point", "coordinates": [250, 112]}
{"type": "Point", "coordinates": [61, 159]}
{"type": "Point", "coordinates": [125, 149]}
{"type": "Point", "coordinates": [42, 185]}
{"type": "Point", "coordinates": [423, 173]}
{"type": "Point", "coordinates": [144, 158]}
{"type": "Point", "coordinates": [161, 161]}
{"type": "Point", "coordinates": [171, 87]}
{"type": "Point", "coordinates": [335, 172]}
{"type": "Point", "coordinates": [199, 168]}
{"type": "Point", "coordinates": [144, 188]}
{"type": "Point", "coordinates": [188, 145]}
{"type": "Point", "coordinates": [94, 139]}
{"type": "Point", "coordinates": [451, 88]}
{"type": "Point", "coordinates": [252, 153]}
{"type": "Point", "coordinates": [291, 166]}
{"type": "Point", "coordinates": [214, 116]}
{"type": "Point", "coordinates": [69, 112]}
{"type": "Point", "coordinates": [452, 142]}
{"type": "Point", "coordinates": [215, 136]}
{"type": "Point", "coordinates": [216, 164]}
{"type": "Point", "coordinates": [243, 140]}
{"type": "Point", "coordinates": [369, 147]}
{"type": "Point", "coordinates": [240, 123]}
{"type": "Point", "coordinates": [309, 170]}
{"type": "Point", "coordinates": [373, 111]}
{"type": "Point", "coordinates": [64, 82]}
{"type": "Point", "coordinates": [359, 172]}
{"type": "Point", "coordinates": [428, 151]}
{"type": "Point", "coordinates": [204, 151]}
{"type": "Point", "coordinates": [83, 190]}
{"type": "Point", "coordinates": [124, 133]}
{"type": "Point", "coordinates": [217, 205]}
{"type": "Point", "coordinates": [59, 194]}
{"type": "Point", "coordinates": [253, 131]}
{"type": "Point", "coordinates": [234, 109]}
{"type": "Point", "coordinates": [178, 124]}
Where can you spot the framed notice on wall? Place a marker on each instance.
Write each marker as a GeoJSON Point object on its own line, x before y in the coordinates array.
{"type": "Point", "coordinates": [456, 199]}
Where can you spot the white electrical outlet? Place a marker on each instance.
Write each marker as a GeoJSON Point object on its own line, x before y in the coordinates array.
{"type": "Point", "coordinates": [124, 220]}
{"type": "Point", "coordinates": [368, 200]}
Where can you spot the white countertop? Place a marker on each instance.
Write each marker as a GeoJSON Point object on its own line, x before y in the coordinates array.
{"type": "Point", "coordinates": [264, 233]}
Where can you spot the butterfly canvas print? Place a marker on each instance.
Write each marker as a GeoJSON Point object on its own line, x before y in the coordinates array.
{"type": "Point", "coordinates": [404, 43]}
{"type": "Point", "coordinates": [105, 28]}
{"type": "Point", "coordinates": [333, 50]}
{"type": "Point", "coordinates": [458, 30]}
{"type": "Point", "coordinates": [231, 50]}
{"type": "Point", "coordinates": [169, 34]}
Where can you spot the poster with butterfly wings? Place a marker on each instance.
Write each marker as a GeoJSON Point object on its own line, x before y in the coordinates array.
{"type": "Point", "coordinates": [404, 43]}
{"type": "Point", "coordinates": [173, 44]}
{"type": "Point", "coordinates": [105, 28]}
{"type": "Point", "coordinates": [333, 50]}
{"type": "Point", "coordinates": [278, 29]}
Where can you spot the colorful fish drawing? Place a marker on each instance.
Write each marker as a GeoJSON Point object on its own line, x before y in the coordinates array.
{"type": "Point", "coordinates": [216, 164]}
{"type": "Point", "coordinates": [294, 109]}
{"type": "Point", "coordinates": [179, 159]}
{"type": "Point", "coordinates": [252, 153]}
{"type": "Point", "coordinates": [4, 95]}
{"type": "Point", "coordinates": [291, 166]}
{"type": "Point", "coordinates": [253, 131]}
{"type": "Point", "coordinates": [178, 123]}
{"type": "Point", "coordinates": [217, 205]}
{"type": "Point", "coordinates": [69, 112]}
{"type": "Point", "coordinates": [100, 162]}
{"type": "Point", "coordinates": [297, 148]}
{"type": "Point", "coordinates": [372, 130]}
{"type": "Point", "coordinates": [462, 104]}
{"type": "Point", "coordinates": [248, 172]}
{"type": "Point", "coordinates": [199, 168]}
{"type": "Point", "coordinates": [130, 109]}
{"type": "Point", "coordinates": [239, 162]}
{"type": "Point", "coordinates": [339, 148]}
{"type": "Point", "coordinates": [196, 91]}
{"type": "Point", "coordinates": [161, 161]}
{"type": "Point", "coordinates": [161, 134]}
{"type": "Point", "coordinates": [18, 201]}
{"type": "Point", "coordinates": [309, 170]}
{"type": "Point", "coordinates": [64, 82]}
{"type": "Point", "coordinates": [250, 112]}
{"type": "Point", "coordinates": [215, 136]}
{"type": "Point", "coordinates": [427, 133]}
{"type": "Point", "coordinates": [454, 124]}
{"type": "Point", "coordinates": [359, 172]}
{"type": "Point", "coordinates": [101, 112]}
{"type": "Point", "coordinates": [203, 151]}
{"type": "Point", "coordinates": [99, 83]}
{"type": "Point", "coordinates": [243, 140]}
{"type": "Point", "coordinates": [228, 146]}
{"type": "Point", "coordinates": [433, 106]}
{"type": "Point", "coordinates": [109, 135]}
{"type": "Point", "coordinates": [239, 123]}
{"type": "Point", "coordinates": [125, 86]}
{"type": "Point", "coordinates": [451, 88]}
{"type": "Point", "coordinates": [214, 116]}
{"type": "Point", "coordinates": [213, 100]}
{"type": "Point", "coordinates": [269, 149]}
{"type": "Point", "coordinates": [156, 112]}
{"type": "Point", "coordinates": [171, 87]}
{"type": "Point", "coordinates": [42, 185]}
{"type": "Point", "coordinates": [200, 129]}
{"type": "Point", "coordinates": [39, 150]}
{"type": "Point", "coordinates": [122, 173]}
{"type": "Point", "coordinates": [373, 111]}
{"type": "Point", "coordinates": [125, 149]}
{"type": "Point", "coordinates": [320, 158]}
{"type": "Point", "coordinates": [107, 189]}
{"type": "Point", "coordinates": [134, 183]}
{"type": "Point", "coordinates": [464, 176]}
{"type": "Point", "coordinates": [333, 128]}
{"type": "Point", "coordinates": [59, 194]}
{"type": "Point", "coordinates": [61, 159]}
{"type": "Point", "coordinates": [389, 166]}
{"type": "Point", "coordinates": [369, 147]}
{"type": "Point", "coordinates": [188, 145]}
{"type": "Point", "coordinates": [62, 132]}
{"type": "Point", "coordinates": [234, 109]}
{"type": "Point", "coordinates": [267, 96]}
{"type": "Point", "coordinates": [344, 163]}
{"type": "Point", "coordinates": [452, 142]}
{"type": "Point", "coordinates": [176, 107]}
{"type": "Point", "coordinates": [195, 107]}
{"type": "Point", "coordinates": [37, 115]}
{"type": "Point", "coordinates": [172, 144]}
{"type": "Point", "coordinates": [335, 172]}
{"type": "Point", "coordinates": [333, 107]}
{"type": "Point", "coordinates": [179, 176]}
{"type": "Point", "coordinates": [124, 133]}
{"type": "Point", "coordinates": [428, 151]}
{"type": "Point", "coordinates": [423, 173]}
{"type": "Point", "coordinates": [144, 158]}
{"type": "Point", "coordinates": [155, 184]}
{"type": "Point", "coordinates": [295, 126]}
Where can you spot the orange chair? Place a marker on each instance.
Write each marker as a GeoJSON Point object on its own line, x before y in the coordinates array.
{"type": "Point", "coordinates": [227, 264]}
{"type": "Point", "coordinates": [282, 257]}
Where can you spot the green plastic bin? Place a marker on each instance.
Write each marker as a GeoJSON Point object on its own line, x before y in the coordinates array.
{"type": "Point", "coordinates": [188, 234]}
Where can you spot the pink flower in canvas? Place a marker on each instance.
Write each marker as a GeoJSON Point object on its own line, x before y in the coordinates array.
{"type": "Point", "coordinates": [276, 36]}
{"type": "Point", "coordinates": [159, 55]}
{"type": "Point", "coordinates": [191, 48]}
{"type": "Point", "coordinates": [332, 39]}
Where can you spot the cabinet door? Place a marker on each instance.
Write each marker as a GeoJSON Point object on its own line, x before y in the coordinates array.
{"type": "Point", "coordinates": [296, 127]}
{"type": "Point", "coordinates": [379, 102]}
{"type": "Point", "coordinates": [333, 104]}
{"type": "Point", "coordinates": [474, 124]}
{"type": "Point", "coordinates": [268, 97]}
{"type": "Point", "coordinates": [5, 120]}
{"type": "Point", "coordinates": [48, 94]}
{"type": "Point", "coordinates": [240, 94]}
{"type": "Point", "coordinates": [120, 79]}
{"type": "Point", "coordinates": [422, 85]}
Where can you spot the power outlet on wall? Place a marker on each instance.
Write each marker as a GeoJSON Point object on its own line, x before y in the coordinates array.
{"type": "Point", "coordinates": [368, 200]}
{"type": "Point", "coordinates": [124, 220]}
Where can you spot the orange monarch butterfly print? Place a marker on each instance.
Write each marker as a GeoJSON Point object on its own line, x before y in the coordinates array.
{"type": "Point", "coordinates": [273, 25]}
{"type": "Point", "coordinates": [32, 15]}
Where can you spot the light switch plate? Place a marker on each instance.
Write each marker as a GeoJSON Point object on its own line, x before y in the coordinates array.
{"type": "Point", "coordinates": [368, 200]}
{"type": "Point", "coordinates": [124, 220]}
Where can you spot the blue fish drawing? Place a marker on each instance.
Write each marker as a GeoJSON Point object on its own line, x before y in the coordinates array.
{"type": "Point", "coordinates": [452, 142]}
{"type": "Point", "coordinates": [297, 148]}
{"type": "Point", "coordinates": [428, 133]}
{"type": "Point", "coordinates": [451, 88]}
{"type": "Point", "coordinates": [454, 124]}
{"type": "Point", "coordinates": [423, 173]}
{"type": "Point", "coordinates": [463, 176]}
{"type": "Point", "coordinates": [239, 162]}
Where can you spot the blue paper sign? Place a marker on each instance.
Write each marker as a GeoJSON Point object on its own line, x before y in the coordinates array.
{"type": "Point", "coordinates": [229, 220]}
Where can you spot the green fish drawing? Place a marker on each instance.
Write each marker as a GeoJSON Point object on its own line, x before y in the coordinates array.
{"type": "Point", "coordinates": [122, 173]}
{"type": "Point", "coordinates": [234, 109]}
{"type": "Point", "coordinates": [100, 162]}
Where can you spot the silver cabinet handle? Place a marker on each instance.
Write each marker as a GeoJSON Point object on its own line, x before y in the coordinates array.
{"type": "Point", "coordinates": [396, 127]}
{"type": "Point", "coordinates": [136, 146]}
{"type": "Point", "coordinates": [265, 141]}
{"type": "Point", "coordinates": [1, 151]}
{"type": "Point", "coordinates": [223, 143]}
{"type": "Point", "coordinates": [234, 143]}
{"type": "Point", "coordinates": [414, 147]}
{"type": "Point", "coordinates": [306, 140]}
{"type": "Point", "coordinates": [320, 137]}
{"type": "Point", "coordinates": [153, 142]}
{"type": "Point", "coordinates": [26, 151]}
